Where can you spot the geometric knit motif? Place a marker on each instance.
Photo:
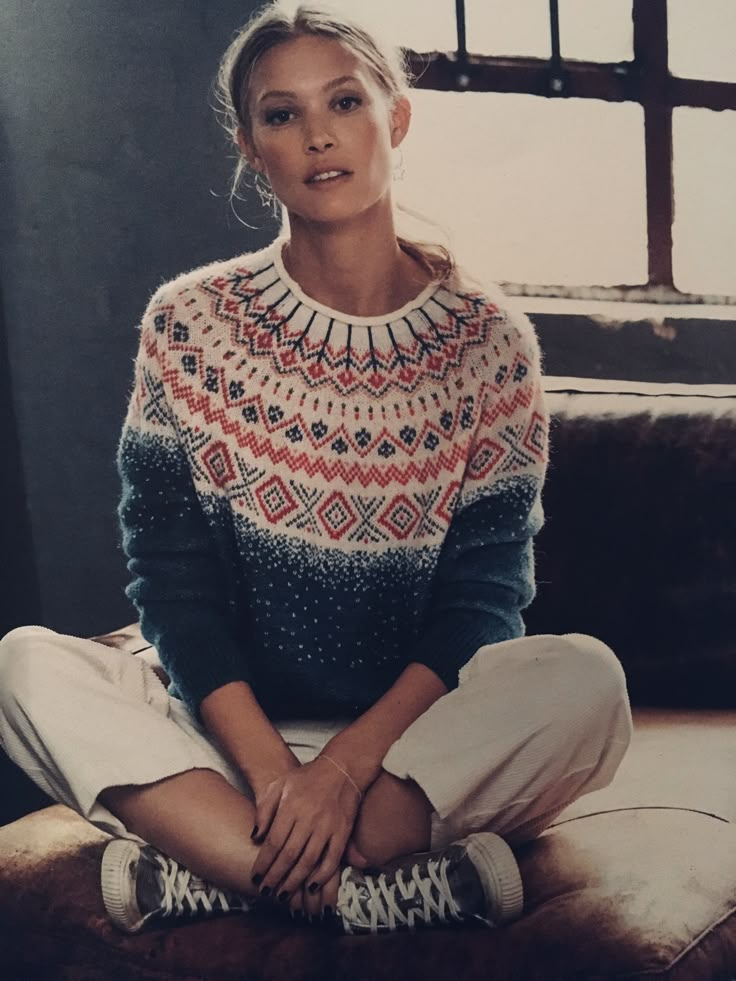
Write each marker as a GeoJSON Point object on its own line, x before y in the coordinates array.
{"type": "Point", "coordinates": [345, 449]}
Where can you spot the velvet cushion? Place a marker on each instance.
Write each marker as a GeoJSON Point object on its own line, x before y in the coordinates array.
{"type": "Point", "coordinates": [639, 545]}
{"type": "Point", "coordinates": [633, 881]}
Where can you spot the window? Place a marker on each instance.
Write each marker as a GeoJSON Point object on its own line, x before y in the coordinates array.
{"type": "Point", "coordinates": [601, 132]}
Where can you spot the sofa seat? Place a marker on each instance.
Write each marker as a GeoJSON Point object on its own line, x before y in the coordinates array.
{"type": "Point", "coordinates": [634, 881]}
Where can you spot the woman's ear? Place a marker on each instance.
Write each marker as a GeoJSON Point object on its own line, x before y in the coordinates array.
{"type": "Point", "coordinates": [248, 151]}
{"type": "Point", "coordinates": [400, 120]}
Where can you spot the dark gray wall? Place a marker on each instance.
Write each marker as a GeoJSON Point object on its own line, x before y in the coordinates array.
{"type": "Point", "coordinates": [114, 177]}
{"type": "Point", "coordinates": [20, 596]}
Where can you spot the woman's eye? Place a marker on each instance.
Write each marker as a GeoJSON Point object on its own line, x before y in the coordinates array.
{"type": "Point", "coordinates": [278, 117]}
{"type": "Point", "coordinates": [349, 101]}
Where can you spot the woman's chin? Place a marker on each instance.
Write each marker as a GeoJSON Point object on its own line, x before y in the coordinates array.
{"type": "Point", "coordinates": [332, 212]}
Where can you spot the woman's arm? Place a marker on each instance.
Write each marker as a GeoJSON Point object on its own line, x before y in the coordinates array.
{"type": "Point", "coordinates": [179, 584]}
{"type": "Point", "coordinates": [240, 726]}
{"type": "Point", "coordinates": [485, 573]}
{"type": "Point", "coordinates": [361, 747]}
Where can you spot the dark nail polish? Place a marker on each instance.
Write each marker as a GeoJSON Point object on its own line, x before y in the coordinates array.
{"type": "Point", "coordinates": [314, 887]}
{"type": "Point", "coordinates": [327, 912]}
{"type": "Point", "coordinates": [266, 891]}
{"type": "Point", "coordinates": [257, 880]}
{"type": "Point", "coordinates": [254, 832]}
{"type": "Point", "coordinates": [283, 896]}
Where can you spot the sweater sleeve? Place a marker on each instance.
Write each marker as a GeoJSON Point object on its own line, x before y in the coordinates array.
{"type": "Point", "coordinates": [178, 584]}
{"type": "Point", "coordinates": [485, 572]}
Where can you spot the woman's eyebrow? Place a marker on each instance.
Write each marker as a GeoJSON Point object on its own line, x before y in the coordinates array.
{"type": "Point", "coordinates": [284, 94]}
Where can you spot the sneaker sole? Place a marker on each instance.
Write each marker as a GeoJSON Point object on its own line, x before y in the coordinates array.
{"type": "Point", "coordinates": [499, 874]}
{"type": "Point", "coordinates": [118, 886]}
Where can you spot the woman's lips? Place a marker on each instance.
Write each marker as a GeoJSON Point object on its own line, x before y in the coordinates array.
{"type": "Point", "coordinates": [328, 182]}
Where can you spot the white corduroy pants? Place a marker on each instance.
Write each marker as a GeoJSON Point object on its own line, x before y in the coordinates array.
{"type": "Point", "coordinates": [534, 724]}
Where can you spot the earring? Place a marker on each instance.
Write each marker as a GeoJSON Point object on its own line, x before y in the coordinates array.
{"type": "Point", "coordinates": [264, 189]}
{"type": "Point", "coordinates": [399, 172]}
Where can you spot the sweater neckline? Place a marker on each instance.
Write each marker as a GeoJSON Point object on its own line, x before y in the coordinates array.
{"type": "Point", "coordinates": [387, 318]}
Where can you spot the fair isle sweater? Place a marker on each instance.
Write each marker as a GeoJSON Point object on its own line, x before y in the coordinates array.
{"type": "Point", "coordinates": [313, 501]}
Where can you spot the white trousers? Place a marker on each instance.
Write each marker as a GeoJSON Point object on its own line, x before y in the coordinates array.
{"type": "Point", "coordinates": [534, 724]}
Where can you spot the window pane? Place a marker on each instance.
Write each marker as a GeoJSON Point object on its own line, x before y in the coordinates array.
{"type": "Point", "coordinates": [704, 230]}
{"type": "Point", "coordinates": [596, 30]}
{"type": "Point", "coordinates": [412, 24]}
{"type": "Point", "coordinates": [504, 27]}
{"type": "Point", "coordinates": [531, 190]}
{"type": "Point", "coordinates": [702, 39]}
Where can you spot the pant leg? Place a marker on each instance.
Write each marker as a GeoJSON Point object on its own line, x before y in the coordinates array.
{"type": "Point", "coordinates": [534, 724]}
{"type": "Point", "coordinates": [79, 717]}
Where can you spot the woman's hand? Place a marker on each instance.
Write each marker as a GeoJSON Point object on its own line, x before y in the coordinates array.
{"type": "Point", "coordinates": [304, 818]}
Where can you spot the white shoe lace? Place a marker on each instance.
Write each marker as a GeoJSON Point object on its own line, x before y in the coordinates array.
{"type": "Point", "coordinates": [382, 909]}
{"type": "Point", "coordinates": [186, 894]}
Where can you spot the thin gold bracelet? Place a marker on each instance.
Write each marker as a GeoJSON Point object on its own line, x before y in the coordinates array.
{"type": "Point", "coordinates": [323, 756]}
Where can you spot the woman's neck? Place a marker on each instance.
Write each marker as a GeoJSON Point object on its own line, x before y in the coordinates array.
{"type": "Point", "coordinates": [362, 272]}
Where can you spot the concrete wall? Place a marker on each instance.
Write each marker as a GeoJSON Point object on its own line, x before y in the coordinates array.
{"type": "Point", "coordinates": [114, 177]}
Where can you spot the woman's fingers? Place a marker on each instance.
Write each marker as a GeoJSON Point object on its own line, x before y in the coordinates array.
{"type": "Point", "coordinates": [266, 809]}
{"type": "Point", "coordinates": [281, 856]}
{"type": "Point", "coordinates": [323, 903]}
{"type": "Point", "coordinates": [312, 903]}
{"type": "Point", "coordinates": [296, 902]}
{"type": "Point", "coordinates": [277, 837]}
{"type": "Point", "coordinates": [309, 822]}
{"type": "Point", "coordinates": [296, 874]}
{"type": "Point", "coordinates": [329, 892]}
{"type": "Point", "coordinates": [328, 865]}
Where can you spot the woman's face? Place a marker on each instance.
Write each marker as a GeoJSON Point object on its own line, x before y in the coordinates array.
{"type": "Point", "coordinates": [315, 108]}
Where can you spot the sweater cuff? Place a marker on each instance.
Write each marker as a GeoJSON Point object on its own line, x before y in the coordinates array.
{"type": "Point", "coordinates": [199, 657]}
{"type": "Point", "coordinates": [449, 642]}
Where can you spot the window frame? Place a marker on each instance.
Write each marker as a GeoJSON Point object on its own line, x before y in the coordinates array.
{"type": "Point", "coordinates": [645, 80]}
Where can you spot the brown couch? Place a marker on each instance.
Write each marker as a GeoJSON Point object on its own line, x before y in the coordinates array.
{"type": "Point", "coordinates": [634, 881]}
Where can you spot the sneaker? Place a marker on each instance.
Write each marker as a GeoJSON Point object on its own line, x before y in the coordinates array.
{"type": "Point", "coordinates": [476, 878]}
{"type": "Point", "coordinates": [140, 884]}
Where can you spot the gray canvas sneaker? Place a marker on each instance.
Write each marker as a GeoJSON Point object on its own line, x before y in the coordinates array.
{"type": "Point", "coordinates": [140, 885]}
{"type": "Point", "coordinates": [476, 878]}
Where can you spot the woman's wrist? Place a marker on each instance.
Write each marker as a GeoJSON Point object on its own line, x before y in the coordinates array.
{"type": "Point", "coordinates": [338, 766]}
{"type": "Point", "coordinates": [360, 767]}
{"type": "Point", "coordinates": [362, 745]}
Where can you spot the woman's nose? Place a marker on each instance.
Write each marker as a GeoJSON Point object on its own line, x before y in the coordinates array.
{"type": "Point", "coordinates": [319, 145]}
{"type": "Point", "coordinates": [317, 137]}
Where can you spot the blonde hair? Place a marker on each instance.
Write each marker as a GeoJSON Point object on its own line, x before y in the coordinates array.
{"type": "Point", "coordinates": [275, 24]}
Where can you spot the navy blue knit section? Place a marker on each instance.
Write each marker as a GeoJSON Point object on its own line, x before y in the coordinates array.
{"type": "Point", "coordinates": [315, 631]}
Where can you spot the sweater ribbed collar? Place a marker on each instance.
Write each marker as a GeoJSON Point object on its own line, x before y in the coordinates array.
{"type": "Point", "coordinates": [339, 316]}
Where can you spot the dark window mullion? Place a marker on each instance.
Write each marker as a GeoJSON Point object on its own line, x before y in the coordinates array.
{"type": "Point", "coordinates": [525, 76]}
{"type": "Point", "coordinates": [660, 192]}
{"type": "Point", "coordinates": [557, 82]}
{"type": "Point", "coordinates": [702, 93]}
{"type": "Point", "coordinates": [617, 82]}
{"type": "Point", "coordinates": [650, 60]}
{"type": "Point", "coordinates": [462, 44]}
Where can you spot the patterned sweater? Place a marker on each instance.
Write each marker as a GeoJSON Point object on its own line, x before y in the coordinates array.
{"type": "Point", "coordinates": [313, 501]}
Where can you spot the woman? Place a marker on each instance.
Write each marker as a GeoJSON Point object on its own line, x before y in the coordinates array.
{"type": "Point", "coordinates": [331, 467]}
